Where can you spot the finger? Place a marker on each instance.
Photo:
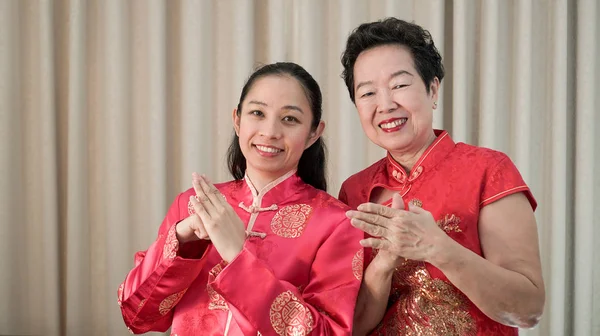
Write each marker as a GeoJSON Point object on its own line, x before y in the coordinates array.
{"type": "Point", "coordinates": [373, 230]}
{"type": "Point", "coordinates": [202, 196]}
{"type": "Point", "coordinates": [201, 235]}
{"type": "Point", "coordinates": [368, 217]}
{"type": "Point", "coordinates": [416, 209]}
{"type": "Point", "coordinates": [397, 202]}
{"type": "Point", "coordinates": [211, 192]}
{"type": "Point", "coordinates": [378, 209]}
{"type": "Point", "coordinates": [217, 199]}
{"type": "Point", "coordinates": [200, 210]}
{"type": "Point", "coordinates": [198, 227]}
{"type": "Point", "coordinates": [375, 243]}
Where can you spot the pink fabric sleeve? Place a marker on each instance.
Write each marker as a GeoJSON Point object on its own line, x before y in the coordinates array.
{"type": "Point", "coordinates": [160, 277]}
{"type": "Point", "coordinates": [275, 307]}
{"type": "Point", "coordinates": [502, 180]}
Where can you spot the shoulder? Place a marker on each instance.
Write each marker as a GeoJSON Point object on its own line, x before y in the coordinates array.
{"type": "Point", "coordinates": [478, 157]}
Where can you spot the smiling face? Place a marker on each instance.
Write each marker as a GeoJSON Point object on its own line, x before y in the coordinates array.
{"type": "Point", "coordinates": [274, 126]}
{"type": "Point", "coordinates": [393, 104]}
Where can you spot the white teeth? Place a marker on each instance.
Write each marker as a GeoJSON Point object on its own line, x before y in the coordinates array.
{"type": "Point", "coordinates": [394, 123]}
{"type": "Point", "coordinates": [268, 149]}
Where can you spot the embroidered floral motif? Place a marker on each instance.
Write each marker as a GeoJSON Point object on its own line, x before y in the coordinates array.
{"type": "Point", "coordinates": [171, 244]}
{"type": "Point", "coordinates": [357, 264]}
{"type": "Point", "coordinates": [449, 223]}
{"type": "Point", "coordinates": [191, 210]}
{"type": "Point", "coordinates": [169, 302]}
{"type": "Point", "coordinates": [289, 317]}
{"type": "Point", "coordinates": [216, 300]}
{"type": "Point", "coordinates": [290, 221]}
{"type": "Point", "coordinates": [425, 306]}
{"type": "Point", "coordinates": [120, 295]}
{"type": "Point", "coordinates": [416, 202]}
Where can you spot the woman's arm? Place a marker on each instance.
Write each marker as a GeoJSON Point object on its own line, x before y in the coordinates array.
{"type": "Point", "coordinates": [507, 285]}
{"type": "Point", "coordinates": [160, 277]}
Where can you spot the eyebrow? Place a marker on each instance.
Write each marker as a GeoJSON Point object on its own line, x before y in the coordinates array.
{"type": "Point", "coordinates": [395, 74]}
{"type": "Point", "coordinates": [286, 107]}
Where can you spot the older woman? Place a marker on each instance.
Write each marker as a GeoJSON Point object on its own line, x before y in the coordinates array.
{"type": "Point", "coordinates": [454, 246]}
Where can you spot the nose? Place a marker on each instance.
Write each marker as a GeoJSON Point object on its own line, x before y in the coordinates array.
{"type": "Point", "coordinates": [385, 102]}
{"type": "Point", "coordinates": [271, 128]}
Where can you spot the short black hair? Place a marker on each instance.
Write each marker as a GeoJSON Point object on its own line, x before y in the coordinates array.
{"type": "Point", "coordinates": [393, 31]}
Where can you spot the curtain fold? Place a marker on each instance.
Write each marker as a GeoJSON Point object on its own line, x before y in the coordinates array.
{"type": "Point", "coordinates": [107, 107]}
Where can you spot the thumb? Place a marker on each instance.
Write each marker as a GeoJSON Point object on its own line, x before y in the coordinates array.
{"type": "Point", "coordinates": [415, 209]}
{"type": "Point", "coordinates": [397, 202]}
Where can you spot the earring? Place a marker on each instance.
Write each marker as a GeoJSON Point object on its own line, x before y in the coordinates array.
{"type": "Point", "coordinates": [434, 105]}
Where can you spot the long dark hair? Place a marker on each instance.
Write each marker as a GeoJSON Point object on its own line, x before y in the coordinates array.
{"type": "Point", "coordinates": [311, 168]}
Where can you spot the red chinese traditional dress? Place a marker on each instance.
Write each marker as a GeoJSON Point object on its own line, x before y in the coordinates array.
{"type": "Point", "coordinates": [299, 271]}
{"type": "Point", "coordinates": [453, 181]}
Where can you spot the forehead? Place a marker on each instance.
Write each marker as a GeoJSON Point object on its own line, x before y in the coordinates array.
{"type": "Point", "coordinates": [277, 91]}
{"type": "Point", "coordinates": [382, 61]}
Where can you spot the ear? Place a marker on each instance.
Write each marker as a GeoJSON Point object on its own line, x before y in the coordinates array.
{"type": "Point", "coordinates": [315, 135]}
{"type": "Point", "coordinates": [434, 89]}
{"type": "Point", "coordinates": [236, 121]}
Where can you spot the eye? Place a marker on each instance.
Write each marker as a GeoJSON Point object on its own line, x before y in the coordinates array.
{"type": "Point", "coordinates": [400, 86]}
{"type": "Point", "coordinates": [367, 94]}
{"type": "Point", "coordinates": [256, 113]}
{"type": "Point", "coordinates": [291, 119]}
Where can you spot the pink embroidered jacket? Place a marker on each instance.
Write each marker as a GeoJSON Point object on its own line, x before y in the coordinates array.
{"type": "Point", "coordinates": [453, 181]}
{"type": "Point", "coordinates": [299, 271]}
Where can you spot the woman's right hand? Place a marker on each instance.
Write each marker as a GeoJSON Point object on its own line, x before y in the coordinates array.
{"type": "Point", "coordinates": [191, 229]}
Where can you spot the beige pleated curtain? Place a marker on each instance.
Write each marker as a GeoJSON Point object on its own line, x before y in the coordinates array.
{"type": "Point", "coordinates": [107, 106]}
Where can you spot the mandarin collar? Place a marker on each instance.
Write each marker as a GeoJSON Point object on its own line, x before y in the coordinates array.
{"type": "Point", "coordinates": [276, 191]}
{"type": "Point", "coordinates": [436, 152]}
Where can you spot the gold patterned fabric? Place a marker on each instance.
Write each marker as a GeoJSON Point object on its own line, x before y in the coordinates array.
{"type": "Point", "coordinates": [290, 221]}
{"type": "Point", "coordinates": [289, 317]}
{"type": "Point", "coordinates": [169, 302]}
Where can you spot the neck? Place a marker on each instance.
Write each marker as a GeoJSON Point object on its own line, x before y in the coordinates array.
{"type": "Point", "coordinates": [407, 159]}
{"type": "Point", "coordinates": [260, 181]}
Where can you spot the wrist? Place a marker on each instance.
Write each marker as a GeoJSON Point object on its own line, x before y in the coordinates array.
{"type": "Point", "coordinates": [380, 268]}
{"type": "Point", "coordinates": [446, 251]}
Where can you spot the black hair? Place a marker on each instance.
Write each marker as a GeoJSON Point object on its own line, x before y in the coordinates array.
{"type": "Point", "coordinates": [390, 31]}
{"type": "Point", "coordinates": [311, 168]}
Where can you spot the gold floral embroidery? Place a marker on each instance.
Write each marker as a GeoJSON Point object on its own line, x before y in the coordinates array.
{"type": "Point", "coordinates": [357, 264]}
{"type": "Point", "coordinates": [290, 221]}
{"type": "Point", "coordinates": [216, 300]}
{"type": "Point", "coordinates": [120, 295]}
{"type": "Point", "coordinates": [449, 223]}
{"type": "Point", "coordinates": [142, 303]}
{"type": "Point", "coordinates": [425, 306]}
{"type": "Point", "coordinates": [191, 210]}
{"type": "Point", "coordinates": [169, 302]}
{"type": "Point", "coordinates": [289, 317]}
{"type": "Point", "coordinates": [417, 202]}
{"type": "Point", "coordinates": [171, 244]}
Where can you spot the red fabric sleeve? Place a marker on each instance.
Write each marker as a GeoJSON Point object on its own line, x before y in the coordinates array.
{"type": "Point", "coordinates": [160, 277]}
{"type": "Point", "coordinates": [502, 180]}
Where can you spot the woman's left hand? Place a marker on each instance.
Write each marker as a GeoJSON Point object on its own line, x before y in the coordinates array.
{"type": "Point", "coordinates": [411, 234]}
{"type": "Point", "coordinates": [224, 227]}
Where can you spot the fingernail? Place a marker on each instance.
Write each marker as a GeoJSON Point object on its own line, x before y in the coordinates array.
{"type": "Point", "coordinates": [349, 213]}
